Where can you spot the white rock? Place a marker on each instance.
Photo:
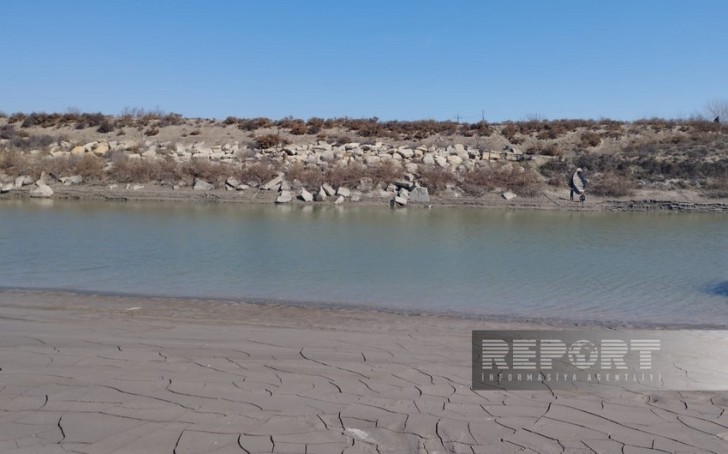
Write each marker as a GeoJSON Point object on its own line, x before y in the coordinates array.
{"type": "Point", "coordinates": [454, 160]}
{"type": "Point", "coordinates": [403, 193]}
{"type": "Point", "coordinates": [23, 180]}
{"type": "Point", "coordinates": [508, 195]}
{"type": "Point", "coordinates": [7, 188]}
{"type": "Point", "coordinates": [305, 196]}
{"type": "Point", "coordinates": [343, 191]}
{"type": "Point", "coordinates": [75, 179]}
{"type": "Point", "coordinates": [428, 159]}
{"type": "Point", "coordinates": [400, 201]}
{"type": "Point", "coordinates": [339, 200]}
{"type": "Point", "coordinates": [202, 185]}
{"type": "Point", "coordinates": [442, 162]}
{"type": "Point", "coordinates": [101, 149]}
{"type": "Point", "coordinates": [328, 189]}
{"type": "Point", "coordinates": [284, 197]}
{"type": "Point", "coordinates": [41, 190]}
{"type": "Point", "coordinates": [419, 194]}
{"type": "Point", "coordinates": [275, 183]}
{"type": "Point", "coordinates": [321, 195]}
{"type": "Point", "coordinates": [136, 187]}
{"type": "Point", "coordinates": [232, 183]}
{"type": "Point", "coordinates": [355, 196]}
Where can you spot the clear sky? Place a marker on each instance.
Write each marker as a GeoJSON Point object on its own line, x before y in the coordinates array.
{"type": "Point", "coordinates": [391, 59]}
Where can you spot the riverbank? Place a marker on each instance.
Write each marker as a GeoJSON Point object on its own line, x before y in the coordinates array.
{"type": "Point", "coordinates": [93, 373]}
{"type": "Point", "coordinates": [644, 200]}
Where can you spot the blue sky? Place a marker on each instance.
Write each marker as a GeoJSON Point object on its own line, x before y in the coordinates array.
{"type": "Point", "coordinates": [391, 59]}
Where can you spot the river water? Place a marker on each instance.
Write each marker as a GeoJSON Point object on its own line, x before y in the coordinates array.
{"type": "Point", "coordinates": [635, 267]}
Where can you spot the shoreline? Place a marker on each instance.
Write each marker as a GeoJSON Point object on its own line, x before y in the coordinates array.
{"type": "Point", "coordinates": [361, 309]}
{"type": "Point", "coordinates": [548, 200]}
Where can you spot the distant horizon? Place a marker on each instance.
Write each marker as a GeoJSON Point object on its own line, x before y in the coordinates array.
{"type": "Point", "coordinates": [698, 116]}
{"type": "Point", "coordinates": [404, 61]}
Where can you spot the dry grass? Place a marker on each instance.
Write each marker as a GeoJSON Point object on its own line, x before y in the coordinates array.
{"type": "Point", "coordinates": [612, 185]}
{"type": "Point", "coordinates": [436, 178]}
{"type": "Point", "coordinates": [523, 182]}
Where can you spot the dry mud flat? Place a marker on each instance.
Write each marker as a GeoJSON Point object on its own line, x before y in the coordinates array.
{"type": "Point", "coordinates": [98, 374]}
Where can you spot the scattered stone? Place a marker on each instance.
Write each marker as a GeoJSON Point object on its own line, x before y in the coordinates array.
{"type": "Point", "coordinates": [101, 149]}
{"type": "Point", "coordinates": [339, 200]}
{"type": "Point", "coordinates": [328, 189]}
{"type": "Point", "coordinates": [284, 197]}
{"type": "Point", "coordinates": [355, 196]}
{"type": "Point", "coordinates": [232, 184]}
{"type": "Point", "coordinates": [137, 187]}
{"type": "Point", "coordinates": [23, 180]}
{"type": "Point", "coordinates": [78, 150]}
{"type": "Point", "coordinates": [343, 191]}
{"type": "Point", "coordinates": [75, 179]}
{"type": "Point", "coordinates": [321, 195]}
{"type": "Point", "coordinates": [285, 185]}
{"type": "Point", "coordinates": [7, 188]}
{"type": "Point", "coordinates": [509, 195]}
{"type": "Point", "coordinates": [112, 186]}
{"type": "Point", "coordinates": [419, 194]}
{"type": "Point", "coordinates": [273, 184]}
{"type": "Point", "coordinates": [202, 185]}
{"type": "Point", "coordinates": [401, 201]}
{"type": "Point", "coordinates": [403, 193]}
{"type": "Point", "coordinates": [41, 190]}
{"type": "Point", "coordinates": [305, 196]}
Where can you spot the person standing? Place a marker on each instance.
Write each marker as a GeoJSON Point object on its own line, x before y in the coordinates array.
{"type": "Point", "coordinates": [577, 184]}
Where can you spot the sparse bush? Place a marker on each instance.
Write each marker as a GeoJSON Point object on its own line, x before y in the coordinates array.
{"type": "Point", "coordinates": [269, 141]}
{"type": "Point", "coordinates": [258, 172]}
{"type": "Point", "coordinates": [349, 175]}
{"type": "Point", "coordinates": [611, 185]}
{"type": "Point", "coordinates": [106, 126]}
{"type": "Point", "coordinates": [436, 178]}
{"type": "Point", "coordinates": [311, 177]}
{"type": "Point", "coordinates": [89, 167]}
{"type": "Point", "coordinates": [590, 139]}
{"type": "Point", "coordinates": [524, 183]}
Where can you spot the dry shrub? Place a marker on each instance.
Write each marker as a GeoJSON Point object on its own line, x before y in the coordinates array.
{"type": "Point", "coordinates": [550, 149]}
{"type": "Point", "coordinates": [436, 178]}
{"type": "Point", "coordinates": [132, 171]}
{"type": "Point", "coordinates": [212, 172]}
{"type": "Point", "coordinates": [89, 167]}
{"type": "Point", "coordinates": [386, 172]}
{"type": "Point", "coordinates": [611, 184]}
{"type": "Point", "coordinates": [270, 141]}
{"type": "Point", "coordinates": [348, 176]}
{"type": "Point", "coordinates": [524, 183]}
{"type": "Point", "coordinates": [258, 172]}
{"type": "Point", "coordinates": [590, 139]}
{"type": "Point", "coordinates": [15, 163]}
{"type": "Point", "coordinates": [311, 177]}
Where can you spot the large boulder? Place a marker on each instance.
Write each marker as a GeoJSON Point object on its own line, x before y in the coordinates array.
{"type": "Point", "coordinates": [343, 191]}
{"type": "Point", "coordinates": [328, 189]}
{"type": "Point", "coordinates": [41, 190]}
{"type": "Point", "coordinates": [23, 180]}
{"type": "Point", "coordinates": [419, 194]}
{"type": "Point", "coordinates": [284, 197]}
{"type": "Point", "coordinates": [101, 149]}
{"type": "Point", "coordinates": [6, 188]}
{"type": "Point", "coordinates": [273, 184]}
{"type": "Point", "coordinates": [232, 184]}
{"type": "Point", "coordinates": [202, 185]}
{"type": "Point", "coordinates": [305, 196]}
{"type": "Point", "coordinates": [74, 179]}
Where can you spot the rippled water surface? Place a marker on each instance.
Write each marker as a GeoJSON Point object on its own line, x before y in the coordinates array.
{"type": "Point", "coordinates": [578, 266]}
